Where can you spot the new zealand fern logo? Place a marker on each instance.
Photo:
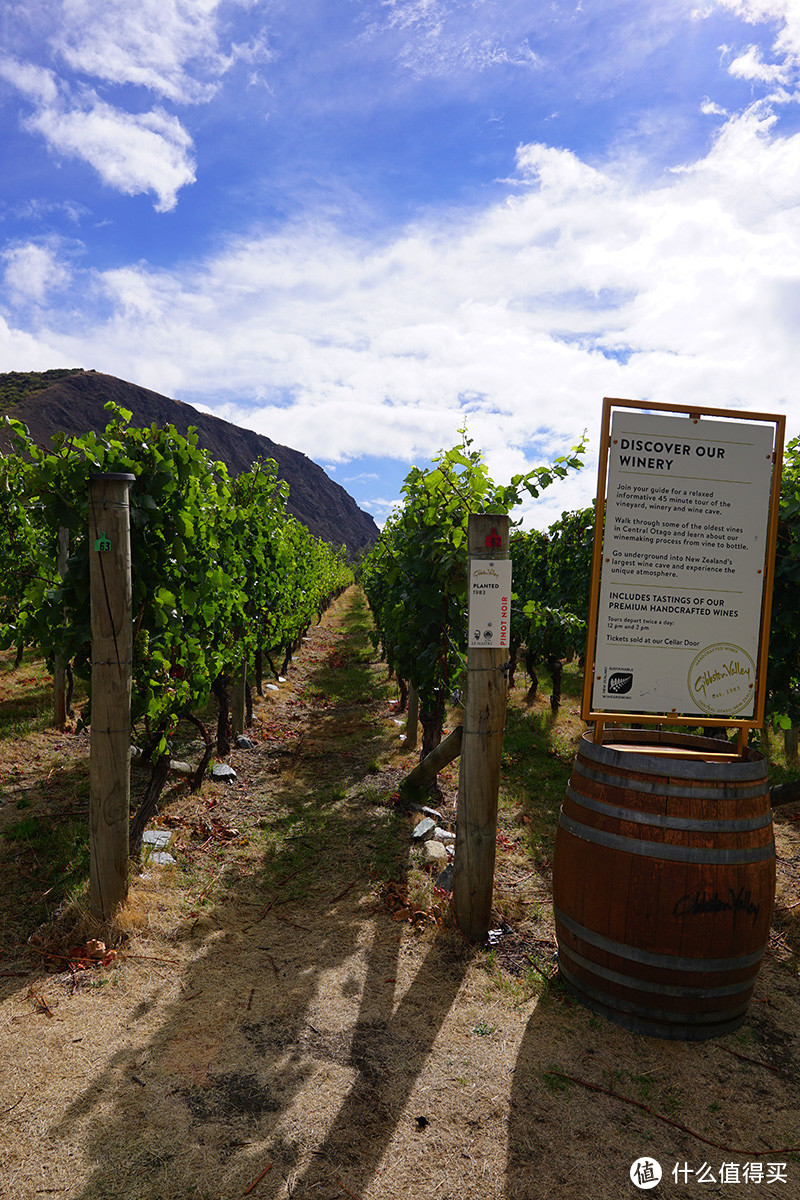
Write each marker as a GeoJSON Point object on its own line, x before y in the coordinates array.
{"type": "Point", "coordinates": [619, 682]}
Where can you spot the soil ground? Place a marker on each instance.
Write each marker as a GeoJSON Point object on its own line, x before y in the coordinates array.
{"type": "Point", "coordinates": [292, 1013]}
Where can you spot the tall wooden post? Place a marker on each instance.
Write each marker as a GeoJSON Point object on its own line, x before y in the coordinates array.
{"type": "Point", "coordinates": [112, 646]}
{"type": "Point", "coordinates": [59, 672]}
{"type": "Point", "coordinates": [482, 748]}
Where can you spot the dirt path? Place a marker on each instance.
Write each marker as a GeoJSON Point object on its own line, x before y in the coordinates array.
{"type": "Point", "coordinates": [269, 1020]}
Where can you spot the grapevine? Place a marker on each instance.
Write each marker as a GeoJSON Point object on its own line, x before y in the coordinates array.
{"type": "Point", "coordinates": [219, 568]}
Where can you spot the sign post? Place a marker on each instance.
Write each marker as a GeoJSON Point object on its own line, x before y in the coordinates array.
{"type": "Point", "coordinates": [489, 581]}
{"type": "Point", "coordinates": [682, 573]}
{"type": "Point", "coordinates": [112, 640]}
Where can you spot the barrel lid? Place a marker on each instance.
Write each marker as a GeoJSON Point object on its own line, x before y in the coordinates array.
{"type": "Point", "coordinates": [684, 755]}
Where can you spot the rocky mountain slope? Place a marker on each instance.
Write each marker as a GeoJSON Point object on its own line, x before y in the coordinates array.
{"type": "Point", "coordinates": [74, 404]}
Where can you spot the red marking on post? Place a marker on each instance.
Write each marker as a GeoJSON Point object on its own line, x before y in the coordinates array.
{"type": "Point", "coordinates": [493, 540]}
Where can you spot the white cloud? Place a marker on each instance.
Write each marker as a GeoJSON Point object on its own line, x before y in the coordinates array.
{"type": "Point", "coordinates": [590, 47]}
{"type": "Point", "coordinates": [579, 285]}
{"type": "Point", "coordinates": [37, 83]}
{"type": "Point", "coordinates": [132, 152]}
{"type": "Point", "coordinates": [38, 209]}
{"type": "Point", "coordinates": [782, 13]}
{"type": "Point", "coordinates": [784, 16]}
{"type": "Point", "coordinates": [33, 271]}
{"type": "Point", "coordinates": [24, 351]}
{"type": "Point", "coordinates": [559, 171]}
{"type": "Point", "coordinates": [440, 38]}
{"type": "Point", "coordinates": [170, 47]}
{"type": "Point", "coordinates": [750, 65]}
{"type": "Point", "coordinates": [753, 170]}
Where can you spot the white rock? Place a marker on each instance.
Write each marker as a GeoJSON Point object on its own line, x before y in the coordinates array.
{"type": "Point", "coordinates": [223, 773]}
{"type": "Point", "coordinates": [161, 858]}
{"type": "Point", "coordinates": [158, 838]}
{"type": "Point", "coordinates": [434, 852]}
{"type": "Point", "coordinates": [423, 830]}
{"type": "Point", "coordinates": [181, 768]}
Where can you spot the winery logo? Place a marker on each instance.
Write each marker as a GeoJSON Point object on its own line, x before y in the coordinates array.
{"type": "Point", "coordinates": [722, 679]}
{"type": "Point", "coordinates": [618, 682]}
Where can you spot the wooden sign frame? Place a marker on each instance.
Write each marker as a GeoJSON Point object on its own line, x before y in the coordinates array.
{"type": "Point", "coordinates": [602, 716]}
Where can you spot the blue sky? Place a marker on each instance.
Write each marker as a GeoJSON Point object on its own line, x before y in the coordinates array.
{"type": "Point", "coordinates": [354, 224]}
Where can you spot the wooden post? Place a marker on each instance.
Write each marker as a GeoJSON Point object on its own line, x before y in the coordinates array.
{"type": "Point", "coordinates": [59, 672]}
{"type": "Point", "coordinates": [479, 770]}
{"type": "Point", "coordinates": [412, 719]}
{"type": "Point", "coordinates": [238, 699]}
{"type": "Point", "coordinates": [433, 763]}
{"type": "Point", "coordinates": [112, 645]}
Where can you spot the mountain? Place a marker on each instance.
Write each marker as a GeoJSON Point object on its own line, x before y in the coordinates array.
{"type": "Point", "coordinates": [74, 404]}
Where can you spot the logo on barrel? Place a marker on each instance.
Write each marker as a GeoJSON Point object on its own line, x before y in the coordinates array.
{"type": "Point", "coordinates": [702, 904]}
{"type": "Point", "coordinates": [722, 679]}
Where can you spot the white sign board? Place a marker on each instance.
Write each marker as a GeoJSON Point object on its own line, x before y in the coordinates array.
{"type": "Point", "coordinates": [489, 613]}
{"type": "Point", "coordinates": [682, 574]}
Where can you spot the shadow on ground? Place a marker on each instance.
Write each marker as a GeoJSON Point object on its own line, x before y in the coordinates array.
{"type": "Point", "coordinates": [588, 1098]}
{"type": "Point", "coordinates": [293, 1040]}
{"type": "Point", "coordinates": [287, 1040]}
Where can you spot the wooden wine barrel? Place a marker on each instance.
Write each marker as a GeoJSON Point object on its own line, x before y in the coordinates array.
{"type": "Point", "coordinates": [664, 882]}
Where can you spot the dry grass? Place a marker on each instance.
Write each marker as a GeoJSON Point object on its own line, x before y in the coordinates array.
{"type": "Point", "coordinates": [269, 1006]}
